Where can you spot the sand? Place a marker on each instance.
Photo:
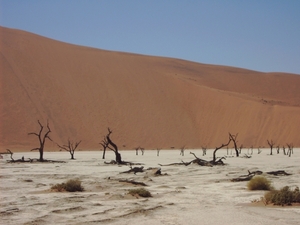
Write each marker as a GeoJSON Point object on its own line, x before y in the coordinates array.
{"type": "Point", "coordinates": [147, 101]}
{"type": "Point", "coordinates": [186, 195]}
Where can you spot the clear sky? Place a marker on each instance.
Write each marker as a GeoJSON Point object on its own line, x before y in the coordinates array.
{"type": "Point", "coordinates": [262, 35]}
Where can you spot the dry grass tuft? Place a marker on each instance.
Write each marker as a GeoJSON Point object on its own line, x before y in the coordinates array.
{"type": "Point", "coordinates": [140, 192]}
{"type": "Point", "coordinates": [71, 185]}
{"type": "Point", "coordinates": [284, 196]}
{"type": "Point", "coordinates": [259, 183]}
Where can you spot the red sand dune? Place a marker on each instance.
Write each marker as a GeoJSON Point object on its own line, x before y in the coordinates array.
{"type": "Point", "coordinates": [153, 102]}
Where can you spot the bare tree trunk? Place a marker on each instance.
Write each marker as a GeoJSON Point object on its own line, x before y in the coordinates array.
{"type": "Point", "coordinates": [142, 150]}
{"type": "Point", "coordinates": [158, 150]}
{"type": "Point", "coordinates": [222, 146]}
{"type": "Point", "coordinates": [233, 138]}
{"type": "Point", "coordinates": [278, 149]}
{"type": "Point", "coordinates": [42, 139]}
{"type": "Point", "coordinates": [114, 147]}
{"type": "Point", "coordinates": [290, 149]}
{"type": "Point", "coordinates": [137, 150]}
{"type": "Point", "coordinates": [204, 151]}
{"type": "Point", "coordinates": [182, 151]}
{"type": "Point", "coordinates": [271, 144]}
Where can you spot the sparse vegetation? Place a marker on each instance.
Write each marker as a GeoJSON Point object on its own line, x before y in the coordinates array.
{"type": "Point", "coordinates": [140, 192]}
{"type": "Point", "coordinates": [259, 183]}
{"type": "Point", "coordinates": [284, 196]}
{"type": "Point", "coordinates": [71, 185]}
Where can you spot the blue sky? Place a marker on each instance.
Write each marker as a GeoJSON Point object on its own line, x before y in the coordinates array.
{"type": "Point", "coordinates": [262, 35]}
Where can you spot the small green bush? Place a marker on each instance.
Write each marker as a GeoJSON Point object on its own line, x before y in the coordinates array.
{"type": "Point", "coordinates": [141, 192]}
{"type": "Point", "coordinates": [71, 185]}
{"type": "Point", "coordinates": [284, 196]}
{"type": "Point", "coordinates": [259, 183]}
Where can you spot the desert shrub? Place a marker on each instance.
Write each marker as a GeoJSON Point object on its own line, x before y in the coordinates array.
{"type": "Point", "coordinates": [71, 185]}
{"type": "Point", "coordinates": [141, 192]}
{"type": "Point", "coordinates": [59, 187]}
{"type": "Point", "coordinates": [284, 196]}
{"type": "Point", "coordinates": [259, 183]}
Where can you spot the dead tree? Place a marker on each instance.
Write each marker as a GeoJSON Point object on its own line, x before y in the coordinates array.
{"type": "Point", "coordinates": [182, 151]}
{"type": "Point", "coordinates": [11, 153]}
{"type": "Point", "coordinates": [233, 138]}
{"type": "Point", "coordinates": [158, 150]}
{"type": "Point", "coordinates": [271, 144]}
{"type": "Point", "coordinates": [283, 149]}
{"type": "Point", "coordinates": [112, 146]}
{"type": "Point", "coordinates": [247, 177]}
{"type": "Point", "coordinates": [199, 161]}
{"type": "Point", "coordinates": [250, 151]}
{"type": "Point", "coordinates": [278, 149]}
{"type": "Point", "coordinates": [290, 149]}
{"type": "Point", "coordinates": [42, 139]}
{"type": "Point", "coordinates": [258, 150]}
{"type": "Point", "coordinates": [214, 161]}
{"type": "Point", "coordinates": [137, 150]}
{"type": "Point", "coordinates": [70, 147]}
{"type": "Point", "coordinates": [204, 151]}
{"type": "Point", "coordinates": [15, 160]}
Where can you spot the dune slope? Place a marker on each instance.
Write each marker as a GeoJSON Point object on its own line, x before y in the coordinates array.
{"type": "Point", "coordinates": [149, 101]}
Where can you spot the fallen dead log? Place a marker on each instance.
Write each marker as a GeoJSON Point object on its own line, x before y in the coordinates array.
{"type": "Point", "coordinates": [135, 170]}
{"type": "Point", "coordinates": [200, 162]}
{"type": "Point", "coordinates": [247, 177]}
{"type": "Point", "coordinates": [279, 173]}
{"type": "Point", "coordinates": [29, 160]}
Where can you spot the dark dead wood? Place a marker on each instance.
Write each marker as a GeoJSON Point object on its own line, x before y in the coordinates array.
{"type": "Point", "coordinates": [112, 146]}
{"type": "Point", "coordinates": [247, 177]}
{"type": "Point", "coordinates": [182, 150]}
{"type": "Point", "coordinates": [271, 144]}
{"type": "Point", "coordinates": [233, 139]}
{"type": "Point", "coordinates": [290, 149]}
{"type": "Point", "coordinates": [11, 153]}
{"type": "Point", "coordinates": [279, 173]}
{"type": "Point", "coordinates": [42, 139]}
{"type": "Point", "coordinates": [220, 162]}
{"type": "Point", "coordinates": [135, 170]}
{"type": "Point", "coordinates": [200, 162]}
{"type": "Point", "coordinates": [204, 149]}
{"type": "Point", "coordinates": [242, 178]}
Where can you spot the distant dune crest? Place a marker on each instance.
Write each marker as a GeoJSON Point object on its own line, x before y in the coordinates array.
{"type": "Point", "coordinates": [152, 102]}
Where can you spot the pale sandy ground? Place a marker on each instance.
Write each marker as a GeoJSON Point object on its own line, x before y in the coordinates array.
{"type": "Point", "coordinates": [187, 195]}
